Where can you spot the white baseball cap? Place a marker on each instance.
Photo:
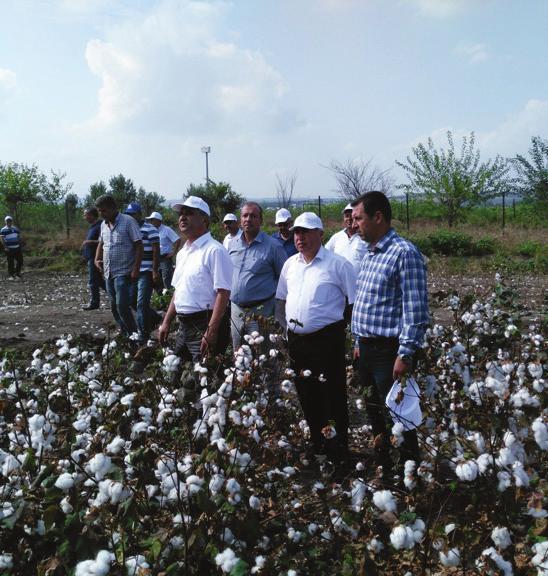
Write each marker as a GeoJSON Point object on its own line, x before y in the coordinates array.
{"type": "Point", "coordinates": [193, 202]}
{"type": "Point", "coordinates": [7, 218]}
{"type": "Point", "coordinates": [282, 215]}
{"type": "Point", "coordinates": [155, 216]}
{"type": "Point", "coordinates": [307, 220]}
{"type": "Point", "coordinates": [230, 218]}
{"type": "Point", "coordinates": [347, 207]}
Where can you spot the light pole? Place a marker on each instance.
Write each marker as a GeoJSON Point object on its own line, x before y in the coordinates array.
{"type": "Point", "coordinates": [206, 150]}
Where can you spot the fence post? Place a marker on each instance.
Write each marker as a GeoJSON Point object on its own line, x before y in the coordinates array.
{"type": "Point", "coordinates": [407, 209]}
{"type": "Point", "coordinates": [320, 206]}
{"type": "Point", "coordinates": [503, 209]}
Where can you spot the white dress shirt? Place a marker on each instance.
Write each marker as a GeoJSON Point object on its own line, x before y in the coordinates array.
{"type": "Point", "coordinates": [316, 293]}
{"type": "Point", "coordinates": [353, 248]}
{"type": "Point", "coordinates": [201, 269]}
{"type": "Point", "coordinates": [168, 237]}
{"type": "Point", "coordinates": [229, 237]}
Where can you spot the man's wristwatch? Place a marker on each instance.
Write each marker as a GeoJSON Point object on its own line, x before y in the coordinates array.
{"type": "Point", "coordinates": [407, 359]}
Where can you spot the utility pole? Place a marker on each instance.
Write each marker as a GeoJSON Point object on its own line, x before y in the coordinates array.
{"type": "Point", "coordinates": [206, 150]}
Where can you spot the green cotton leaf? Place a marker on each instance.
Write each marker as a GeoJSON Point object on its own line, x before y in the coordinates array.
{"type": "Point", "coordinates": [241, 569]}
{"type": "Point", "coordinates": [407, 517]}
{"type": "Point", "coordinates": [50, 515]}
{"type": "Point", "coordinates": [156, 549]}
{"type": "Point", "coordinates": [29, 463]}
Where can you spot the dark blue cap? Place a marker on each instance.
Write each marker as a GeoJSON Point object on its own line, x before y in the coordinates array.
{"type": "Point", "coordinates": [133, 208]}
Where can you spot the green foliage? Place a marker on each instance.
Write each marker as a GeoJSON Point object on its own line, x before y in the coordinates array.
{"type": "Point", "coordinates": [56, 189]}
{"type": "Point", "coordinates": [533, 173]}
{"type": "Point", "coordinates": [484, 246]}
{"type": "Point", "coordinates": [20, 185]}
{"type": "Point", "coordinates": [95, 190]}
{"type": "Point", "coordinates": [449, 243]}
{"type": "Point", "coordinates": [149, 201]}
{"type": "Point", "coordinates": [454, 182]}
{"type": "Point", "coordinates": [122, 189]}
{"type": "Point", "coordinates": [219, 196]}
{"type": "Point", "coordinates": [529, 248]}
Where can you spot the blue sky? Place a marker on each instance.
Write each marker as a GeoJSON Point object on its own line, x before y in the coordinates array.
{"type": "Point", "coordinates": [101, 87]}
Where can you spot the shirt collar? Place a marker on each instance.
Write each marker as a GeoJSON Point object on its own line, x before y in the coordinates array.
{"type": "Point", "coordinates": [199, 242]}
{"type": "Point", "coordinates": [382, 244]}
{"type": "Point", "coordinates": [320, 255]}
{"type": "Point", "coordinates": [258, 238]}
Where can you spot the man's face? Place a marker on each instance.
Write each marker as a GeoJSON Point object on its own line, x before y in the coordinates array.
{"type": "Point", "coordinates": [348, 222]}
{"type": "Point", "coordinates": [191, 221]}
{"type": "Point", "coordinates": [368, 228]}
{"type": "Point", "coordinates": [251, 220]}
{"type": "Point", "coordinates": [283, 228]}
{"type": "Point", "coordinates": [231, 226]}
{"type": "Point", "coordinates": [137, 216]}
{"type": "Point", "coordinates": [9, 222]}
{"type": "Point", "coordinates": [155, 222]}
{"type": "Point", "coordinates": [307, 241]}
{"type": "Point", "coordinates": [108, 212]}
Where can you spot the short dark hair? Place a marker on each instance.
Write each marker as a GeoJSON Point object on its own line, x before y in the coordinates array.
{"type": "Point", "coordinates": [251, 203]}
{"type": "Point", "coordinates": [374, 202]}
{"type": "Point", "coordinates": [93, 211]}
{"type": "Point", "coordinates": [106, 201]}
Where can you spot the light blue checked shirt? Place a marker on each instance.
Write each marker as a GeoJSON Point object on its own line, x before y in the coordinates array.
{"type": "Point", "coordinates": [391, 296]}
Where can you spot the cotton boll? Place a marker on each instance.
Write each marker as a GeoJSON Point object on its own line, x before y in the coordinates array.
{"type": "Point", "coordinates": [540, 432]}
{"type": "Point", "coordinates": [385, 501]}
{"type": "Point", "coordinates": [226, 560]}
{"type": "Point", "coordinates": [501, 537]}
{"type": "Point", "coordinates": [467, 471]}
{"type": "Point", "coordinates": [499, 561]}
{"type": "Point", "coordinates": [452, 558]}
{"type": "Point", "coordinates": [540, 559]}
{"type": "Point", "coordinates": [65, 482]}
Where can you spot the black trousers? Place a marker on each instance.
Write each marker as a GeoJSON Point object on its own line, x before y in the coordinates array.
{"type": "Point", "coordinates": [15, 261]}
{"type": "Point", "coordinates": [322, 400]}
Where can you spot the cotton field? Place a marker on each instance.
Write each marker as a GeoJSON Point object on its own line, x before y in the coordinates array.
{"type": "Point", "coordinates": [107, 471]}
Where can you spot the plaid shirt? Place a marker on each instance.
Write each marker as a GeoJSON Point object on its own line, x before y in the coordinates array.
{"type": "Point", "coordinates": [118, 245]}
{"type": "Point", "coordinates": [391, 297]}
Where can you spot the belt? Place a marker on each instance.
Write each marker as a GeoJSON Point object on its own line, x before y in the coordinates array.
{"type": "Point", "coordinates": [255, 303]}
{"type": "Point", "coordinates": [325, 330]}
{"type": "Point", "coordinates": [201, 315]}
{"type": "Point", "coordinates": [382, 340]}
{"type": "Point", "coordinates": [165, 257]}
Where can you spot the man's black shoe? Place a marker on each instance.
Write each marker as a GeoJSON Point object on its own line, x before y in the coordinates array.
{"type": "Point", "coordinates": [90, 307]}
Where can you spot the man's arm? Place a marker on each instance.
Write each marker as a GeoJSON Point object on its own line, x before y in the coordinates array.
{"type": "Point", "coordinates": [175, 247]}
{"type": "Point", "coordinates": [163, 331]}
{"type": "Point", "coordinates": [99, 256]}
{"type": "Point", "coordinates": [155, 261]}
{"type": "Point", "coordinates": [138, 257]}
{"type": "Point", "coordinates": [209, 339]}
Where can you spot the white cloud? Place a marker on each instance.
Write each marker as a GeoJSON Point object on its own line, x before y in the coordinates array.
{"type": "Point", "coordinates": [167, 71]}
{"type": "Point", "coordinates": [475, 53]}
{"type": "Point", "coordinates": [8, 80]}
{"type": "Point", "coordinates": [441, 9]}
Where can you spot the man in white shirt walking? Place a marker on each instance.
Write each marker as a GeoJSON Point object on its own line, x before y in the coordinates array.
{"type": "Point", "coordinates": [169, 244]}
{"type": "Point", "coordinates": [317, 286]}
{"type": "Point", "coordinates": [347, 242]}
{"type": "Point", "coordinates": [202, 280]}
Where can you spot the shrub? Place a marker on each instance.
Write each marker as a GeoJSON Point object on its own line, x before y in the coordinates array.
{"type": "Point", "coordinates": [529, 248]}
{"type": "Point", "coordinates": [485, 246]}
{"type": "Point", "coordinates": [423, 243]}
{"type": "Point", "coordinates": [449, 243]}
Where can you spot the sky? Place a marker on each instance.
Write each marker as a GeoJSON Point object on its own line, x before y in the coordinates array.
{"type": "Point", "coordinates": [96, 88]}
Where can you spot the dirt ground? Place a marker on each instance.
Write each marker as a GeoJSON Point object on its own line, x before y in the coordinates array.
{"type": "Point", "coordinates": [43, 306]}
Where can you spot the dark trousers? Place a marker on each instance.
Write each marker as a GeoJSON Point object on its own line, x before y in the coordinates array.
{"type": "Point", "coordinates": [15, 261]}
{"type": "Point", "coordinates": [322, 352]}
{"type": "Point", "coordinates": [376, 365]}
{"type": "Point", "coordinates": [95, 283]}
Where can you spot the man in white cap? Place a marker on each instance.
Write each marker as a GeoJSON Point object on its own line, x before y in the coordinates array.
{"type": "Point", "coordinates": [258, 261]}
{"type": "Point", "coordinates": [230, 224]}
{"type": "Point", "coordinates": [169, 244]}
{"type": "Point", "coordinates": [10, 237]}
{"type": "Point", "coordinates": [284, 236]}
{"type": "Point", "coordinates": [202, 280]}
{"type": "Point", "coordinates": [317, 286]}
{"type": "Point", "coordinates": [348, 242]}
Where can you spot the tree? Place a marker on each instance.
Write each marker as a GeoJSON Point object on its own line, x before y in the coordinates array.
{"type": "Point", "coordinates": [149, 201]}
{"type": "Point", "coordinates": [220, 198]}
{"type": "Point", "coordinates": [532, 175]}
{"type": "Point", "coordinates": [123, 190]}
{"type": "Point", "coordinates": [454, 182]}
{"type": "Point", "coordinates": [285, 188]}
{"type": "Point", "coordinates": [357, 177]}
{"type": "Point", "coordinates": [55, 189]}
{"type": "Point", "coordinates": [20, 185]}
{"type": "Point", "coordinates": [95, 190]}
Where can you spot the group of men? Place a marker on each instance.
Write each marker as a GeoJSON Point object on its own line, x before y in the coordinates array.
{"type": "Point", "coordinates": [366, 273]}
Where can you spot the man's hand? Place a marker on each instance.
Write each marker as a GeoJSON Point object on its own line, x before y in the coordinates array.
{"type": "Point", "coordinates": [401, 368]}
{"type": "Point", "coordinates": [155, 277]}
{"type": "Point", "coordinates": [356, 353]}
{"type": "Point", "coordinates": [134, 275]}
{"type": "Point", "coordinates": [163, 333]}
{"type": "Point", "coordinates": [99, 265]}
{"type": "Point", "coordinates": [209, 340]}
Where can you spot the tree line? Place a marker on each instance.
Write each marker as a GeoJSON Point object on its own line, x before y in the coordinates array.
{"type": "Point", "coordinates": [454, 178]}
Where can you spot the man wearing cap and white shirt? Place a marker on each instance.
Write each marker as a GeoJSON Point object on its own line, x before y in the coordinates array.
{"type": "Point", "coordinates": [258, 260]}
{"type": "Point", "coordinates": [317, 287]}
{"type": "Point", "coordinates": [10, 237]}
{"type": "Point", "coordinates": [169, 244]}
{"type": "Point", "coordinates": [230, 224]}
{"type": "Point", "coordinates": [202, 280]}
{"type": "Point", "coordinates": [284, 236]}
{"type": "Point", "coordinates": [347, 242]}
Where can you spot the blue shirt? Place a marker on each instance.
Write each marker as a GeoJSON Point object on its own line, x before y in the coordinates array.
{"type": "Point", "coordinates": [93, 234]}
{"type": "Point", "coordinates": [12, 238]}
{"type": "Point", "coordinates": [257, 268]}
{"type": "Point", "coordinates": [150, 236]}
{"type": "Point", "coordinates": [119, 245]}
{"type": "Point", "coordinates": [288, 245]}
{"type": "Point", "coordinates": [391, 297]}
